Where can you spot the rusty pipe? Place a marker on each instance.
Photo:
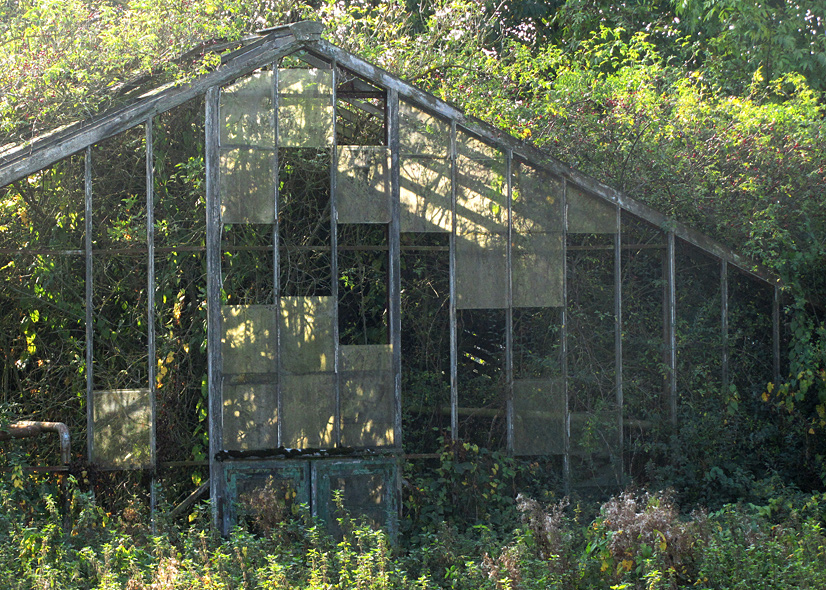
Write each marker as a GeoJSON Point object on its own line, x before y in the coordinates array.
{"type": "Point", "coordinates": [30, 428]}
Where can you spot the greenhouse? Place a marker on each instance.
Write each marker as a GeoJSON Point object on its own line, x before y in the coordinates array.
{"type": "Point", "coordinates": [300, 271]}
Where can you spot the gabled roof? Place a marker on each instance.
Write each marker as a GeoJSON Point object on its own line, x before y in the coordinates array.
{"type": "Point", "coordinates": [21, 161]}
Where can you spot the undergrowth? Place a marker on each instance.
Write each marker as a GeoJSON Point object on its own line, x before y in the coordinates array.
{"type": "Point", "coordinates": [637, 539]}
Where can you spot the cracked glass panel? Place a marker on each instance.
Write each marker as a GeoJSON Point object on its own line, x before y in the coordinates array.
{"type": "Point", "coordinates": [362, 191]}
{"type": "Point", "coordinates": [539, 417]}
{"type": "Point", "coordinates": [307, 334]}
{"type": "Point", "coordinates": [588, 214]}
{"type": "Point", "coordinates": [247, 111]}
{"type": "Point", "coordinates": [537, 343]}
{"type": "Point", "coordinates": [309, 406]}
{"type": "Point", "coordinates": [250, 414]}
{"type": "Point", "coordinates": [305, 110]}
{"type": "Point", "coordinates": [247, 186]}
{"type": "Point", "coordinates": [248, 339]}
{"type": "Point", "coordinates": [305, 242]}
{"type": "Point", "coordinates": [367, 404]}
{"type": "Point", "coordinates": [122, 428]}
{"type": "Point", "coordinates": [537, 270]}
{"type": "Point", "coordinates": [425, 340]}
{"type": "Point", "coordinates": [425, 194]}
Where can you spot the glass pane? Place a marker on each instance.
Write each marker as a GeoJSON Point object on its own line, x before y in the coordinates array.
{"type": "Point", "coordinates": [248, 339]}
{"type": "Point", "coordinates": [588, 214]}
{"type": "Point", "coordinates": [307, 334]}
{"type": "Point", "coordinates": [537, 201]}
{"type": "Point", "coordinates": [367, 396]}
{"type": "Point", "coordinates": [122, 425]}
{"type": "Point", "coordinates": [481, 204]}
{"type": "Point", "coordinates": [537, 270]}
{"type": "Point", "coordinates": [247, 186]}
{"type": "Point", "coordinates": [481, 271]}
{"type": "Point", "coordinates": [309, 406]}
{"type": "Point", "coordinates": [539, 417]}
{"type": "Point", "coordinates": [362, 191]}
{"type": "Point", "coordinates": [247, 111]}
{"type": "Point", "coordinates": [422, 134]}
{"type": "Point", "coordinates": [425, 194]}
{"type": "Point", "coordinates": [305, 112]}
{"type": "Point", "coordinates": [250, 415]}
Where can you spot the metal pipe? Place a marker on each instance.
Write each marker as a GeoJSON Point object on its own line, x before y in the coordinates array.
{"type": "Point", "coordinates": [28, 429]}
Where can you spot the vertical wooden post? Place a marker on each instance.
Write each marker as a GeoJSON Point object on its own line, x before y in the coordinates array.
{"type": "Point", "coordinates": [776, 334]}
{"type": "Point", "coordinates": [566, 458]}
{"type": "Point", "coordinates": [671, 307]}
{"type": "Point", "coordinates": [509, 417]}
{"type": "Point", "coordinates": [334, 273]}
{"type": "Point", "coordinates": [276, 262]}
{"type": "Point", "coordinates": [618, 337]}
{"type": "Point", "coordinates": [90, 330]}
{"type": "Point", "coordinates": [213, 261]}
{"type": "Point", "coordinates": [150, 311]}
{"type": "Point", "coordinates": [394, 247]}
{"type": "Point", "coordinates": [724, 323]}
{"type": "Point", "coordinates": [454, 341]}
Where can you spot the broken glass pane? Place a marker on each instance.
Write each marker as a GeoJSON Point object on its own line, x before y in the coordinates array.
{"type": "Point", "coordinates": [46, 211]}
{"type": "Point", "coordinates": [539, 417]}
{"type": "Point", "coordinates": [362, 194]}
{"type": "Point", "coordinates": [248, 339]}
{"type": "Point", "coordinates": [537, 270]}
{"type": "Point", "coordinates": [481, 271]}
{"type": "Point", "coordinates": [309, 406]}
{"type": "Point", "coordinates": [247, 111]}
{"type": "Point", "coordinates": [588, 214]}
{"type": "Point", "coordinates": [537, 343]}
{"type": "Point", "coordinates": [250, 414]}
{"type": "Point", "coordinates": [425, 194]}
{"type": "Point", "coordinates": [247, 186]}
{"type": "Point", "coordinates": [421, 133]}
{"type": "Point", "coordinates": [119, 191]}
{"type": "Point", "coordinates": [368, 491]}
{"type": "Point", "coordinates": [307, 334]}
{"type": "Point", "coordinates": [425, 340]}
{"type": "Point", "coordinates": [119, 300]}
{"type": "Point", "coordinates": [481, 341]}
{"type": "Point", "coordinates": [122, 426]}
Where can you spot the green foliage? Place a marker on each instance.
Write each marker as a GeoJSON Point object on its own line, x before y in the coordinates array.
{"type": "Point", "coordinates": [636, 540]}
